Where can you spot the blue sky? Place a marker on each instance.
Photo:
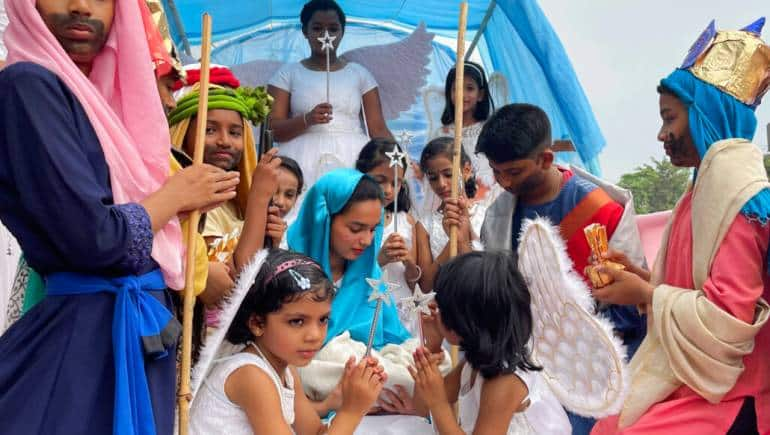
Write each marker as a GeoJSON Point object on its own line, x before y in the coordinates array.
{"type": "Point", "coordinates": [622, 48]}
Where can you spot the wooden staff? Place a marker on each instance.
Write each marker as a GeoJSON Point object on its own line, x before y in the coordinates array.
{"type": "Point", "coordinates": [459, 78]}
{"type": "Point", "coordinates": [185, 395]}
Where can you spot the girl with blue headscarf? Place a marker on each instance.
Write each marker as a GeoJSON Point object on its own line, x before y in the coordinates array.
{"type": "Point", "coordinates": [703, 366]}
{"type": "Point", "coordinates": [340, 226]}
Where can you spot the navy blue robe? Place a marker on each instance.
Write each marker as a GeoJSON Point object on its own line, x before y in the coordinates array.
{"type": "Point", "coordinates": [56, 363]}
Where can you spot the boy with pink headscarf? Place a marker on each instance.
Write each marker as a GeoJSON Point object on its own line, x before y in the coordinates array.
{"type": "Point", "coordinates": [84, 188]}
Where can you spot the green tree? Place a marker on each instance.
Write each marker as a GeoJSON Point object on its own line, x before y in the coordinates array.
{"type": "Point", "coordinates": [656, 186]}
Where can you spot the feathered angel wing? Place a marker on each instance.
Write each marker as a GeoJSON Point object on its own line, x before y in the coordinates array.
{"type": "Point", "coordinates": [498, 89]}
{"type": "Point", "coordinates": [400, 69]}
{"type": "Point", "coordinates": [434, 101]}
{"type": "Point", "coordinates": [216, 345]}
{"type": "Point", "coordinates": [257, 72]}
{"type": "Point", "coordinates": [583, 362]}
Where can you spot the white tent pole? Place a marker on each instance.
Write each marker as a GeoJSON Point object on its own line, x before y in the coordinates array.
{"type": "Point", "coordinates": [482, 27]}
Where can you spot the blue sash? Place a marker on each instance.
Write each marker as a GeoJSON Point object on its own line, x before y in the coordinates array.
{"type": "Point", "coordinates": [141, 326]}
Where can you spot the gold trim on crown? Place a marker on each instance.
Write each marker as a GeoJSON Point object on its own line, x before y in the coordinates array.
{"type": "Point", "coordinates": [738, 63]}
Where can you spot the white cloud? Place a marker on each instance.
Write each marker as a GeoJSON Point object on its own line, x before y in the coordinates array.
{"type": "Point", "coordinates": [620, 51]}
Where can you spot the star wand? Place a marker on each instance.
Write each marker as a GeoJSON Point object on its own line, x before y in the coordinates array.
{"type": "Point", "coordinates": [327, 45]}
{"type": "Point", "coordinates": [416, 305]}
{"type": "Point", "coordinates": [380, 297]}
{"type": "Point", "coordinates": [396, 161]}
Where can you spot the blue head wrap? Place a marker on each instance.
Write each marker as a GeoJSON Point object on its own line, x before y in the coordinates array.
{"type": "Point", "coordinates": [715, 115]}
{"type": "Point", "coordinates": [310, 235]}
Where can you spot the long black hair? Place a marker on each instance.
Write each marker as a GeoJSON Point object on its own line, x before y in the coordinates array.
{"type": "Point", "coordinates": [314, 6]}
{"type": "Point", "coordinates": [483, 107]}
{"type": "Point", "coordinates": [373, 155]}
{"type": "Point", "coordinates": [444, 146]}
{"type": "Point", "coordinates": [483, 298]}
{"type": "Point", "coordinates": [265, 297]}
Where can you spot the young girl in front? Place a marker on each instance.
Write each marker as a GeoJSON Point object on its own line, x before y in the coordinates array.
{"type": "Point", "coordinates": [477, 106]}
{"type": "Point", "coordinates": [398, 253]}
{"type": "Point", "coordinates": [442, 212]}
{"type": "Point", "coordinates": [484, 307]}
{"type": "Point", "coordinates": [275, 320]}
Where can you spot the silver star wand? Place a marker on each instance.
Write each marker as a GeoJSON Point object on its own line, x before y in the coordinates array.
{"type": "Point", "coordinates": [396, 160]}
{"type": "Point", "coordinates": [380, 297]}
{"type": "Point", "coordinates": [416, 305]}
{"type": "Point", "coordinates": [327, 46]}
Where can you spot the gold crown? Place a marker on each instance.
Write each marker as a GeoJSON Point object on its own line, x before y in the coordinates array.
{"type": "Point", "coordinates": [737, 62]}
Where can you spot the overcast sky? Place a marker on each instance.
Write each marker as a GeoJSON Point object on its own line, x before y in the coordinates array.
{"type": "Point", "coordinates": [622, 48]}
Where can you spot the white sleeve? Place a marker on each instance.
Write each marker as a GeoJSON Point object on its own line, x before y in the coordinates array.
{"type": "Point", "coordinates": [367, 81]}
{"type": "Point", "coordinates": [283, 78]}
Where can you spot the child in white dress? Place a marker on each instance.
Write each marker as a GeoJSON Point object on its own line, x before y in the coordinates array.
{"type": "Point", "coordinates": [440, 211]}
{"type": "Point", "coordinates": [324, 134]}
{"type": "Point", "coordinates": [397, 254]}
{"type": "Point", "coordinates": [275, 320]}
{"type": "Point", "coordinates": [484, 307]}
{"type": "Point", "coordinates": [477, 106]}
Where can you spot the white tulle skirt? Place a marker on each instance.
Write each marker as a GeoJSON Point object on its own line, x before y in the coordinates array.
{"type": "Point", "coordinates": [321, 149]}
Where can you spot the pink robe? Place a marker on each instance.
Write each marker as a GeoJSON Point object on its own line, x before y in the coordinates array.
{"type": "Point", "coordinates": [737, 279]}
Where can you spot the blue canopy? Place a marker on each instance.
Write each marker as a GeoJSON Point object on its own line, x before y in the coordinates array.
{"type": "Point", "coordinates": [517, 41]}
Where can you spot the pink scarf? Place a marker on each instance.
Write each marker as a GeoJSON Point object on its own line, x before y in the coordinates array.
{"type": "Point", "coordinates": [121, 100]}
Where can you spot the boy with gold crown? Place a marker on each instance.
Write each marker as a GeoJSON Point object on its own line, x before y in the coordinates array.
{"type": "Point", "coordinates": [703, 367]}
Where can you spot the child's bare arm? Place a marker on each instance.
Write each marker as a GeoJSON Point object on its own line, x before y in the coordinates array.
{"type": "Point", "coordinates": [431, 392]}
{"type": "Point", "coordinates": [427, 378]}
{"type": "Point", "coordinates": [263, 186]}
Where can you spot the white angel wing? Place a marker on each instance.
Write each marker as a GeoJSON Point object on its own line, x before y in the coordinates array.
{"type": "Point", "coordinates": [400, 69]}
{"type": "Point", "coordinates": [216, 346]}
{"type": "Point", "coordinates": [583, 362]}
{"type": "Point", "coordinates": [434, 101]}
{"type": "Point", "coordinates": [257, 72]}
{"type": "Point", "coordinates": [498, 89]}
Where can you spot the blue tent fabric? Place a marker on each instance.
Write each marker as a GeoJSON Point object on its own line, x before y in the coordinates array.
{"type": "Point", "coordinates": [518, 42]}
{"type": "Point", "coordinates": [234, 17]}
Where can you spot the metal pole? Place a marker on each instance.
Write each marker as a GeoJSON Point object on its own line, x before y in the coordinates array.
{"type": "Point", "coordinates": [482, 27]}
{"type": "Point", "coordinates": [179, 27]}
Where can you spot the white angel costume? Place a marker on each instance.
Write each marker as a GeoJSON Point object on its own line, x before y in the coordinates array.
{"type": "Point", "coordinates": [432, 221]}
{"type": "Point", "coordinates": [399, 70]}
{"type": "Point", "coordinates": [3, 25]}
{"type": "Point", "coordinates": [544, 415]}
{"type": "Point", "coordinates": [211, 411]}
{"type": "Point", "coordinates": [9, 260]}
{"type": "Point", "coordinates": [324, 147]}
{"type": "Point", "coordinates": [470, 137]}
{"type": "Point", "coordinates": [583, 362]}
{"type": "Point", "coordinates": [395, 272]}
{"type": "Point", "coordinates": [434, 101]}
